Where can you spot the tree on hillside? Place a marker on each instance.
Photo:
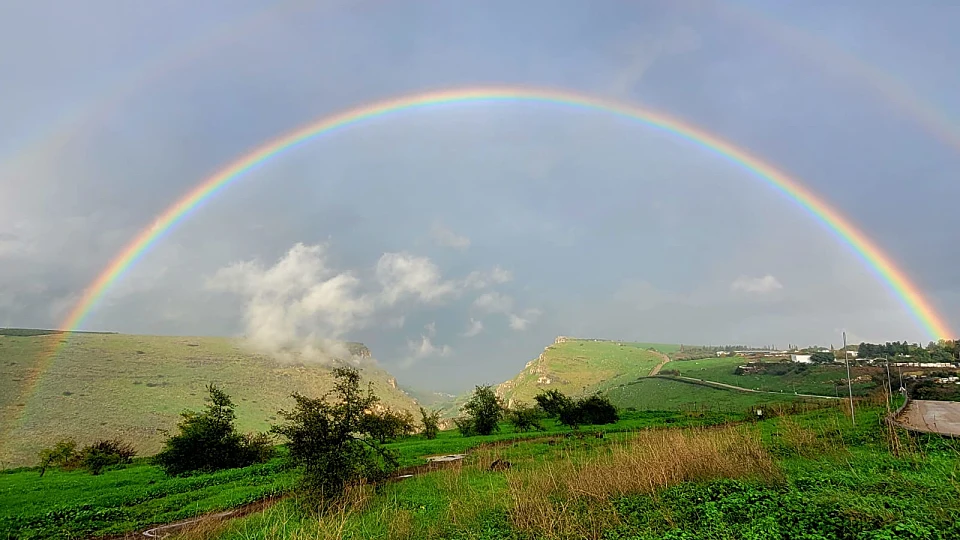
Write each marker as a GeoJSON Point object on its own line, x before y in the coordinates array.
{"type": "Point", "coordinates": [209, 441]}
{"type": "Point", "coordinates": [331, 439]}
{"type": "Point", "coordinates": [431, 423]}
{"type": "Point", "coordinates": [552, 402]}
{"type": "Point", "coordinates": [484, 411]}
{"type": "Point", "coordinates": [591, 410]}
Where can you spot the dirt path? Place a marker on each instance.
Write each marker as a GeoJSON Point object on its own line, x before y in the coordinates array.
{"type": "Point", "coordinates": [663, 361]}
{"type": "Point", "coordinates": [932, 416]}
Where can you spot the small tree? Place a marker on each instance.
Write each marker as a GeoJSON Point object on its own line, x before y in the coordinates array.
{"type": "Point", "coordinates": [387, 425]}
{"type": "Point", "coordinates": [431, 423]}
{"type": "Point", "coordinates": [331, 440]}
{"type": "Point", "coordinates": [485, 410]}
{"type": "Point", "coordinates": [59, 455]}
{"type": "Point", "coordinates": [105, 453]}
{"type": "Point", "coordinates": [552, 402]}
{"type": "Point", "coordinates": [465, 426]}
{"type": "Point", "coordinates": [525, 418]}
{"type": "Point", "coordinates": [208, 440]}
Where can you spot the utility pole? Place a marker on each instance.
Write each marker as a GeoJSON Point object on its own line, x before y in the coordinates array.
{"type": "Point", "coordinates": [889, 392]}
{"type": "Point", "coordinates": [853, 416]}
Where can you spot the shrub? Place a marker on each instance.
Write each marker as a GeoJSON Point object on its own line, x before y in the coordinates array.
{"type": "Point", "coordinates": [525, 418]}
{"type": "Point", "coordinates": [331, 440]}
{"type": "Point", "coordinates": [59, 455]}
{"type": "Point", "coordinates": [465, 426]}
{"type": "Point", "coordinates": [387, 425]}
{"type": "Point", "coordinates": [552, 402]}
{"type": "Point", "coordinates": [595, 409]}
{"type": "Point", "coordinates": [431, 423]}
{"type": "Point", "coordinates": [209, 441]}
{"type": "Point", "coordinates": [104, 453]}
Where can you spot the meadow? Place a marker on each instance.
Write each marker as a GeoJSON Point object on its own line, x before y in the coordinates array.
{"type": "Point", "coordinates": [806, 475]}
{"type": "Point", "coordinates": [134, 387]}
{"type": "Point", "coordinates": [782, 377]}
{"type": "Point", "coordinates": [129, 498]}
{"type": "Point", "coordinates": [661, 393]}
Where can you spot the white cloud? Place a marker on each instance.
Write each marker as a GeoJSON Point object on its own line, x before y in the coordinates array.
{"type": "Point", "coordinates": [443, 236]}
{"type": "Point", "coordinates": [397, 322]}
{"type": "Point", "coordinates": [482, 280]}
{"type": "Point", "coordinates": [759, 285]}
{"type": "Point", "coordinates": [431, 329]}
{"type": "Point", "coordinates": [403, 275]}
{"type": "Point", "coordinates": [529, 316]}
{"type": "Point", "coordinates": [494, 302]}
{"type": "Point", "coordinates": [474, 328]}
{"type": "Point", "coordinates": [298, 305]}
{"type": "Point", "coordinates": [425, 349]}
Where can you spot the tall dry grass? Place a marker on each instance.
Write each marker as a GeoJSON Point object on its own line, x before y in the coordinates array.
{"type": "Point", "coordinates": [572, 498]}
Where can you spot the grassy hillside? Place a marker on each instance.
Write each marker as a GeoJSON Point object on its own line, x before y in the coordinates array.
{"type": "Point", "coordinates": [579, 366]}
{"type": "Point", "coordinates": [780, 376]}
{"type": "Point", "coordinates": [664, 394]}
{"type": "Point", "coordinates": [105, 385]}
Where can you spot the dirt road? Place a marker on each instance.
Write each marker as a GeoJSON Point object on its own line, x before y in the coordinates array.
{"type": "Point", "coordinates": [932, 416]}
{"type": "Point", "coordinates": [663, 361]}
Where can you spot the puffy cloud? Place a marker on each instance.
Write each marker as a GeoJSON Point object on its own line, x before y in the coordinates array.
{"type": "Point", "coordinates": [425, 349]}
{"type": "Point", "coordinates": [759, 285]}
{"type": "Point", "coordinates": [519, 323]}
{"type": "Point", "coordinates": [474, 328]}
{"type": "Point", "coordinates": [298, 307]}
{"type": "Point", "coordinates": [404, 275]}
{"type": "Point", "coordinates": [445, 237]}
{"type": "Point", "coordinates": [482, 280]}
{"type": "Point", "coordinates": [494, 302]}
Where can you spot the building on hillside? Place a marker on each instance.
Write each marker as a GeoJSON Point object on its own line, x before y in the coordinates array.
{"type": "Point", "coordinates": [801, 358]}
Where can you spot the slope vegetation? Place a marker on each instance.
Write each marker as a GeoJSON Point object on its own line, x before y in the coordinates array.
{"type": "Point", "coordinates": [581, 366]}
{"type": "Point", "coordinates": [134, 387]}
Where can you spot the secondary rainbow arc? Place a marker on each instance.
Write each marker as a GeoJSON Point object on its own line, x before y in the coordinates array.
{"type": "Point", "coordinates": [896, 279]}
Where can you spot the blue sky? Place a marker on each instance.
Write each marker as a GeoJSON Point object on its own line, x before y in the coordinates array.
{"type": "Point", "coordinates": [458, 241]}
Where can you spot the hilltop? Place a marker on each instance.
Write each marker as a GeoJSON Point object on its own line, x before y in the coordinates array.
{"type": "Point", "coordinates": [134, 386]}
{"type": "Point", "coordinates": [580, 366]}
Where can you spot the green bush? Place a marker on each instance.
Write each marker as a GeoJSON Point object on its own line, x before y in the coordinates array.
{"type": "Point", "coordinates": [331, 440]}
{"type": "Point", "coordinates": [208, 440]}
{"type": "Point", "coordinates": [552, 402]}
{"type": "Point", "coordinates": [592, 410]}
{"type": "Point", "coordinates": [387, 425]}
{"type": "Point", "coordinates": [525, 418]}
{"type": "Point", "coordinates": [104, 453]}
{"type": "Point", "coordinates": [59, 455]}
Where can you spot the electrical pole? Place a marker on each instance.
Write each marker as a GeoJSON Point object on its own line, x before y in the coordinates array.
{"type": "Point", "coordinates": [853, 416]}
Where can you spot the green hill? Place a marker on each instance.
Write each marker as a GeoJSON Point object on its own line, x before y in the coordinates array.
{"type": "Point", "coordinates": [134, 387]}
{"type": "Point", "coordinates": [580, 366]}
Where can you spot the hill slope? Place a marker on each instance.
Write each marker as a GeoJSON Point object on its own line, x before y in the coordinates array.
{"type": "Point", "coordinates": [105, 385]}
{"type": "Point", "coordinates": [580, 366]}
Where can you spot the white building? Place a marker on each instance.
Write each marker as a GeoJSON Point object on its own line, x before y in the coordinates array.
{"type": "Point", "coordinates": [801, 358]}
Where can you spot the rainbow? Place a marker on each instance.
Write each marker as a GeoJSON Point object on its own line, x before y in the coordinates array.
{"type": "Point", "coordinates": [905, 291]}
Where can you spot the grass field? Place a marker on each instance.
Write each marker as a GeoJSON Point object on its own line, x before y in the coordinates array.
{"type": "Point", "coordinates": [76, 504]}
{"type": "Point", "coordinates": [134, 387]}
{"type": "Point", "coordinates": [810, 475]}
{"type": "Point", "coordinates": [664, 394]}
{"type": "Point", "coordinates": [802, 378]}
{"type": "Point", "coordinates": [579, 366]}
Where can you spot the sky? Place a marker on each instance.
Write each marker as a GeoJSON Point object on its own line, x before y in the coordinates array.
{"type": "Point", "coordinates": [458, 241]}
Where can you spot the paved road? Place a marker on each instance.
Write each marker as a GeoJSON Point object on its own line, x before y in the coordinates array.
{"type": "Point", "coordinates": [932, 416]}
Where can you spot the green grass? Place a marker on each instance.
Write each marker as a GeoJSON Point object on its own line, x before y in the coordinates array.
{"type": "Point", "coordinates": [76, 504]}
{"type": "Point", "coordinates": [133, 387]}
{"type": "Point", "coordinates": [665, 394]}
{"type": "Point", "coordinates": [802, 378]}
{"type": "Point", "coordinates": [123, 499]}
{"type": "Point", "coordinates": [835, 480]}
{"type": "Point", "coordinates": [579, 366]}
